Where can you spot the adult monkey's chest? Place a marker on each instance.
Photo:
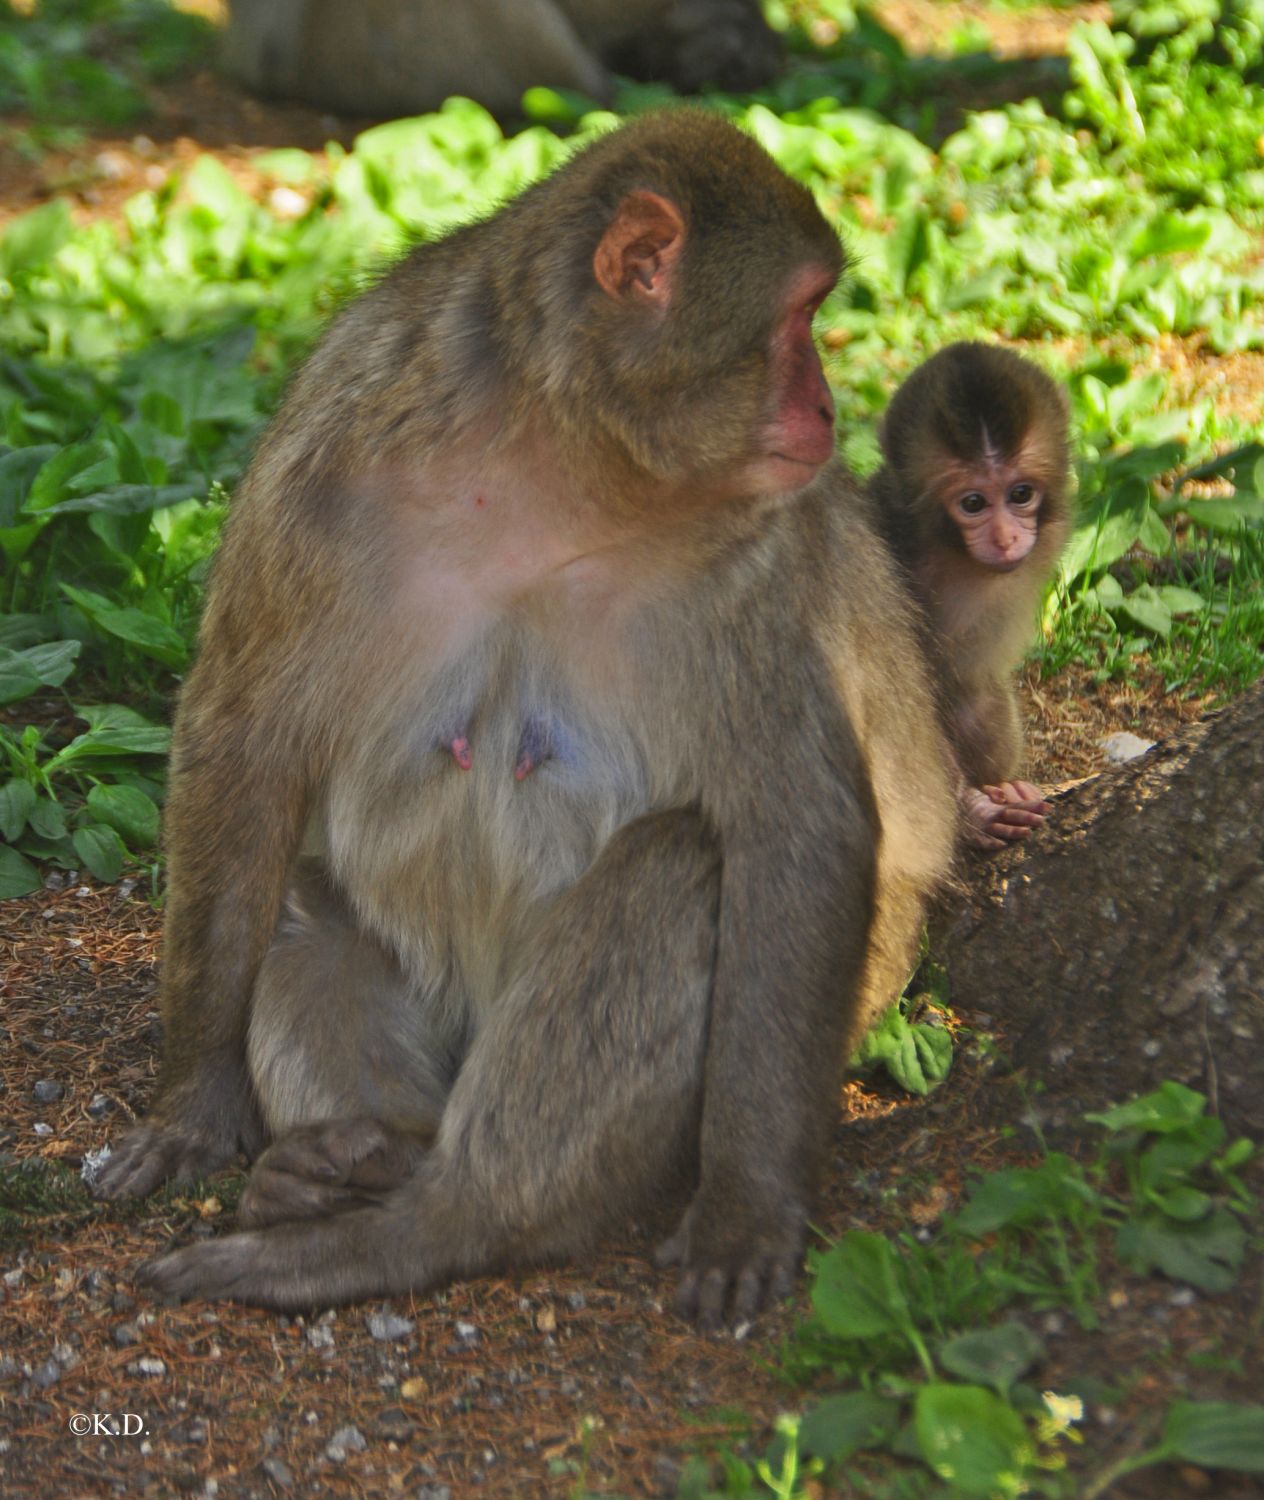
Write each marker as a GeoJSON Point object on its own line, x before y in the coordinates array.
{"type": "Point", "coordinates": [491, 785]}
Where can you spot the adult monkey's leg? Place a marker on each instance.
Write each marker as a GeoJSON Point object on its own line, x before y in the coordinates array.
{"type": "Point", "coordinates": [350, 1060]}
{"type": "Point", "coordinates": [578, 1101]}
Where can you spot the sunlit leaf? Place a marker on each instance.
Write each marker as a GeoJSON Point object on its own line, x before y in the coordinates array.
{"type": "Point", "coordinates": [1169, 1107]}
{"type": "Point", "coordinates": [973, 1440]}
{"type": "Point", "coordinates": [857, 1292]}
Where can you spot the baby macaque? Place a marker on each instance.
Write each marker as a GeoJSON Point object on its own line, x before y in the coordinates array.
{"type": "Point", "coordinates": [972, 499]}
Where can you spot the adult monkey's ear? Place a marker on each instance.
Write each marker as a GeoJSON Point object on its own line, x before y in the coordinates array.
{"type": "Point", "coordinates": [636, 256]}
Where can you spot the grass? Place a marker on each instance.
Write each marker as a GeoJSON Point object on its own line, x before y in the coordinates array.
{"type": "Point", "coordinates": [142, 360]}
{"type": "Point", "coordinates": [87, 62]}
{"type": "Point", "coordinates": [932, 1340]}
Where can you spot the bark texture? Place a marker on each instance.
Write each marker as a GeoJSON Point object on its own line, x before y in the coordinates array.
{"type": "Point", "coordinates": [1125, 944]}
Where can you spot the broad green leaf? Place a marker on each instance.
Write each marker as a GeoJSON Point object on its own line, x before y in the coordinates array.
{"type": "Point", "coordinates": [34, 238]}
{"type": "Point", "coordinates": [154, 636]}
{"type": "Point", "coordinates": [842, 1425]}
{"type": "Point", "coordinates": [857, 1292]}
{"type": "Point", "coordinates": [88, 600]}
{"type": "Point", "coordinates": [1186, 1204]}
{"type": "Point", "coordinates": [163, 411]}
{"type": "Point", "coordinates": [111, 716]}
{"type": "Point", "coordinates": [288, 164]}
{"type": "Point", "coordinates": [17, 631]}
{"type": "Point", "coordinates": [1229, 514]}
{"type": "Point", "coordinates": [1024, 1195]}
{"type": "Point", "coordinates": [17, 541]}
{"type": "Point", "coordinates": [124, 499]}
{"type": "Point", "coordinates": [1217, 1434]}
{"type": "Point", "coordinates": [1144, 606]}
{"type": "Point", "coordinates": [47, 819]}
{"type": "Point", "coordinates": [128, 457]}
{"type": "Point", "coordinates": [129, 812]}
{"type": "Point", "coordinates": [973, 1440]}
{"type": "Point", "coordinates": [972, 291]}
{"type": "Point", "coordinates": [53, 661]}
{"type": "Point", "coordinates": [18, 469]}
{"type": "Point", "coordinates": [1169, 1107]}
{"type": "Point", "coordinates": [994, 1356]}
{"type": "Point", "coordinates": [151, 740]}
{"type": "Point", "coordinates": [210, 185]}
{"type": "Point", "coordinates": [59, 852]}
{"type": "Point", "coordinates": [1182, 601]}
{"type": "Point", "coordinates": [1109, 591]}
{"type": "Point", "coordinates": [17, 798]}
{"type": "Point", "coordinates": [101, 850]}
{"type": "Point", "coordinates": [18, 677]}
{"type": "Point", "coordinates": [113, 729]}
{"type": "Point", "coordinates": [1177, 1153]}
{"type": "Point", "coordinates": [918, 1056]}
{"type": "Point", "coordinates": [51, 483]}
{"type": "Point", "coordinates": [555, 106]}
{"type": "Point", "coordinates": [1206, 1254]}
{"type": "Point", "coordinates": [1133, 401]}
{"type": "Point", "coordinates": [18, 876]}
{"type": "Point", "coordinates": [124, 536]}
{"type": "Point", "coordinates": [1107, 537]}
{"type": "Point", "coordinates": [48, 665]}
{"type": "Point", "coordinates": [907, 247]}
{"type": "Point", "coordinates": [1170, 234]}
{"type": "Point", "coordinates": [1153, 534]}
{"type": "Point", "coordinates": [1142, 460]}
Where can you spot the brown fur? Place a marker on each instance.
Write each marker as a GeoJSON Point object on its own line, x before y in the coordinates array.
{"type": "Point", "coordinates": [968, 400]}
{"type": "Point", "coordinates": [403, 57]}
{"type": "Point", "coordinates": [483, 1018]}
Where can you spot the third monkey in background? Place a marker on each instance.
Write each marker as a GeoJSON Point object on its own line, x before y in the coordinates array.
{"type": "Point", "coordinates": [972, 499]}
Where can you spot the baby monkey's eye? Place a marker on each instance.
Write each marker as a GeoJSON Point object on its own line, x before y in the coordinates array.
{"type": "Point", "coordinates": [1022, 494]}
{"type": "Point", "coordinates": [974, 504]}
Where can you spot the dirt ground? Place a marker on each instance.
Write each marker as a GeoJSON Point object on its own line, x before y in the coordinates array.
{"type": "Point", "coordinates": [564, 1382]}
{"type": "Point", "coordinates": [553, 1382]}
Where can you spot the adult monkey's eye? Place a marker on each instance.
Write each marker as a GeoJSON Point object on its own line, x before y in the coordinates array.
{"type": "Point", "coordinates": [974, 504]}
{"type": "Point", "coordinates": [1022, 494]}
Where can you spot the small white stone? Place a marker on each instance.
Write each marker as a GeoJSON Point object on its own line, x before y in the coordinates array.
{"type": "Point", "coordinates": [286, 203]}
{"type": "Point", "coordinates": [1124, 746]}
{"type": "Point", "coordinates": [92, 1164]}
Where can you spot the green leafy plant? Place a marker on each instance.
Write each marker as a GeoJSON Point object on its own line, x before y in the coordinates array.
{"type": "Point", "coordinates": [141, 359]}
{"type": "Point", "coordinates": [82, 805]}
{"type": "Point", "coordinates": [1173, 89]}
{"type": "Point", "coordinates": [910, 1041]}
{"type": "Point", "coordinates": [85, 61]}
{"type": "Point", "coordinates": [943, 1377]}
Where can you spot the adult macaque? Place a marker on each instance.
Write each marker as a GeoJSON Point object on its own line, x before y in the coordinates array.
{"type": "Point", "coordinates": [972, 497]}
{"type": "Point", "coordinates": [545, 613]}
{"type": "Point", "coordinates": [385, 57]}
